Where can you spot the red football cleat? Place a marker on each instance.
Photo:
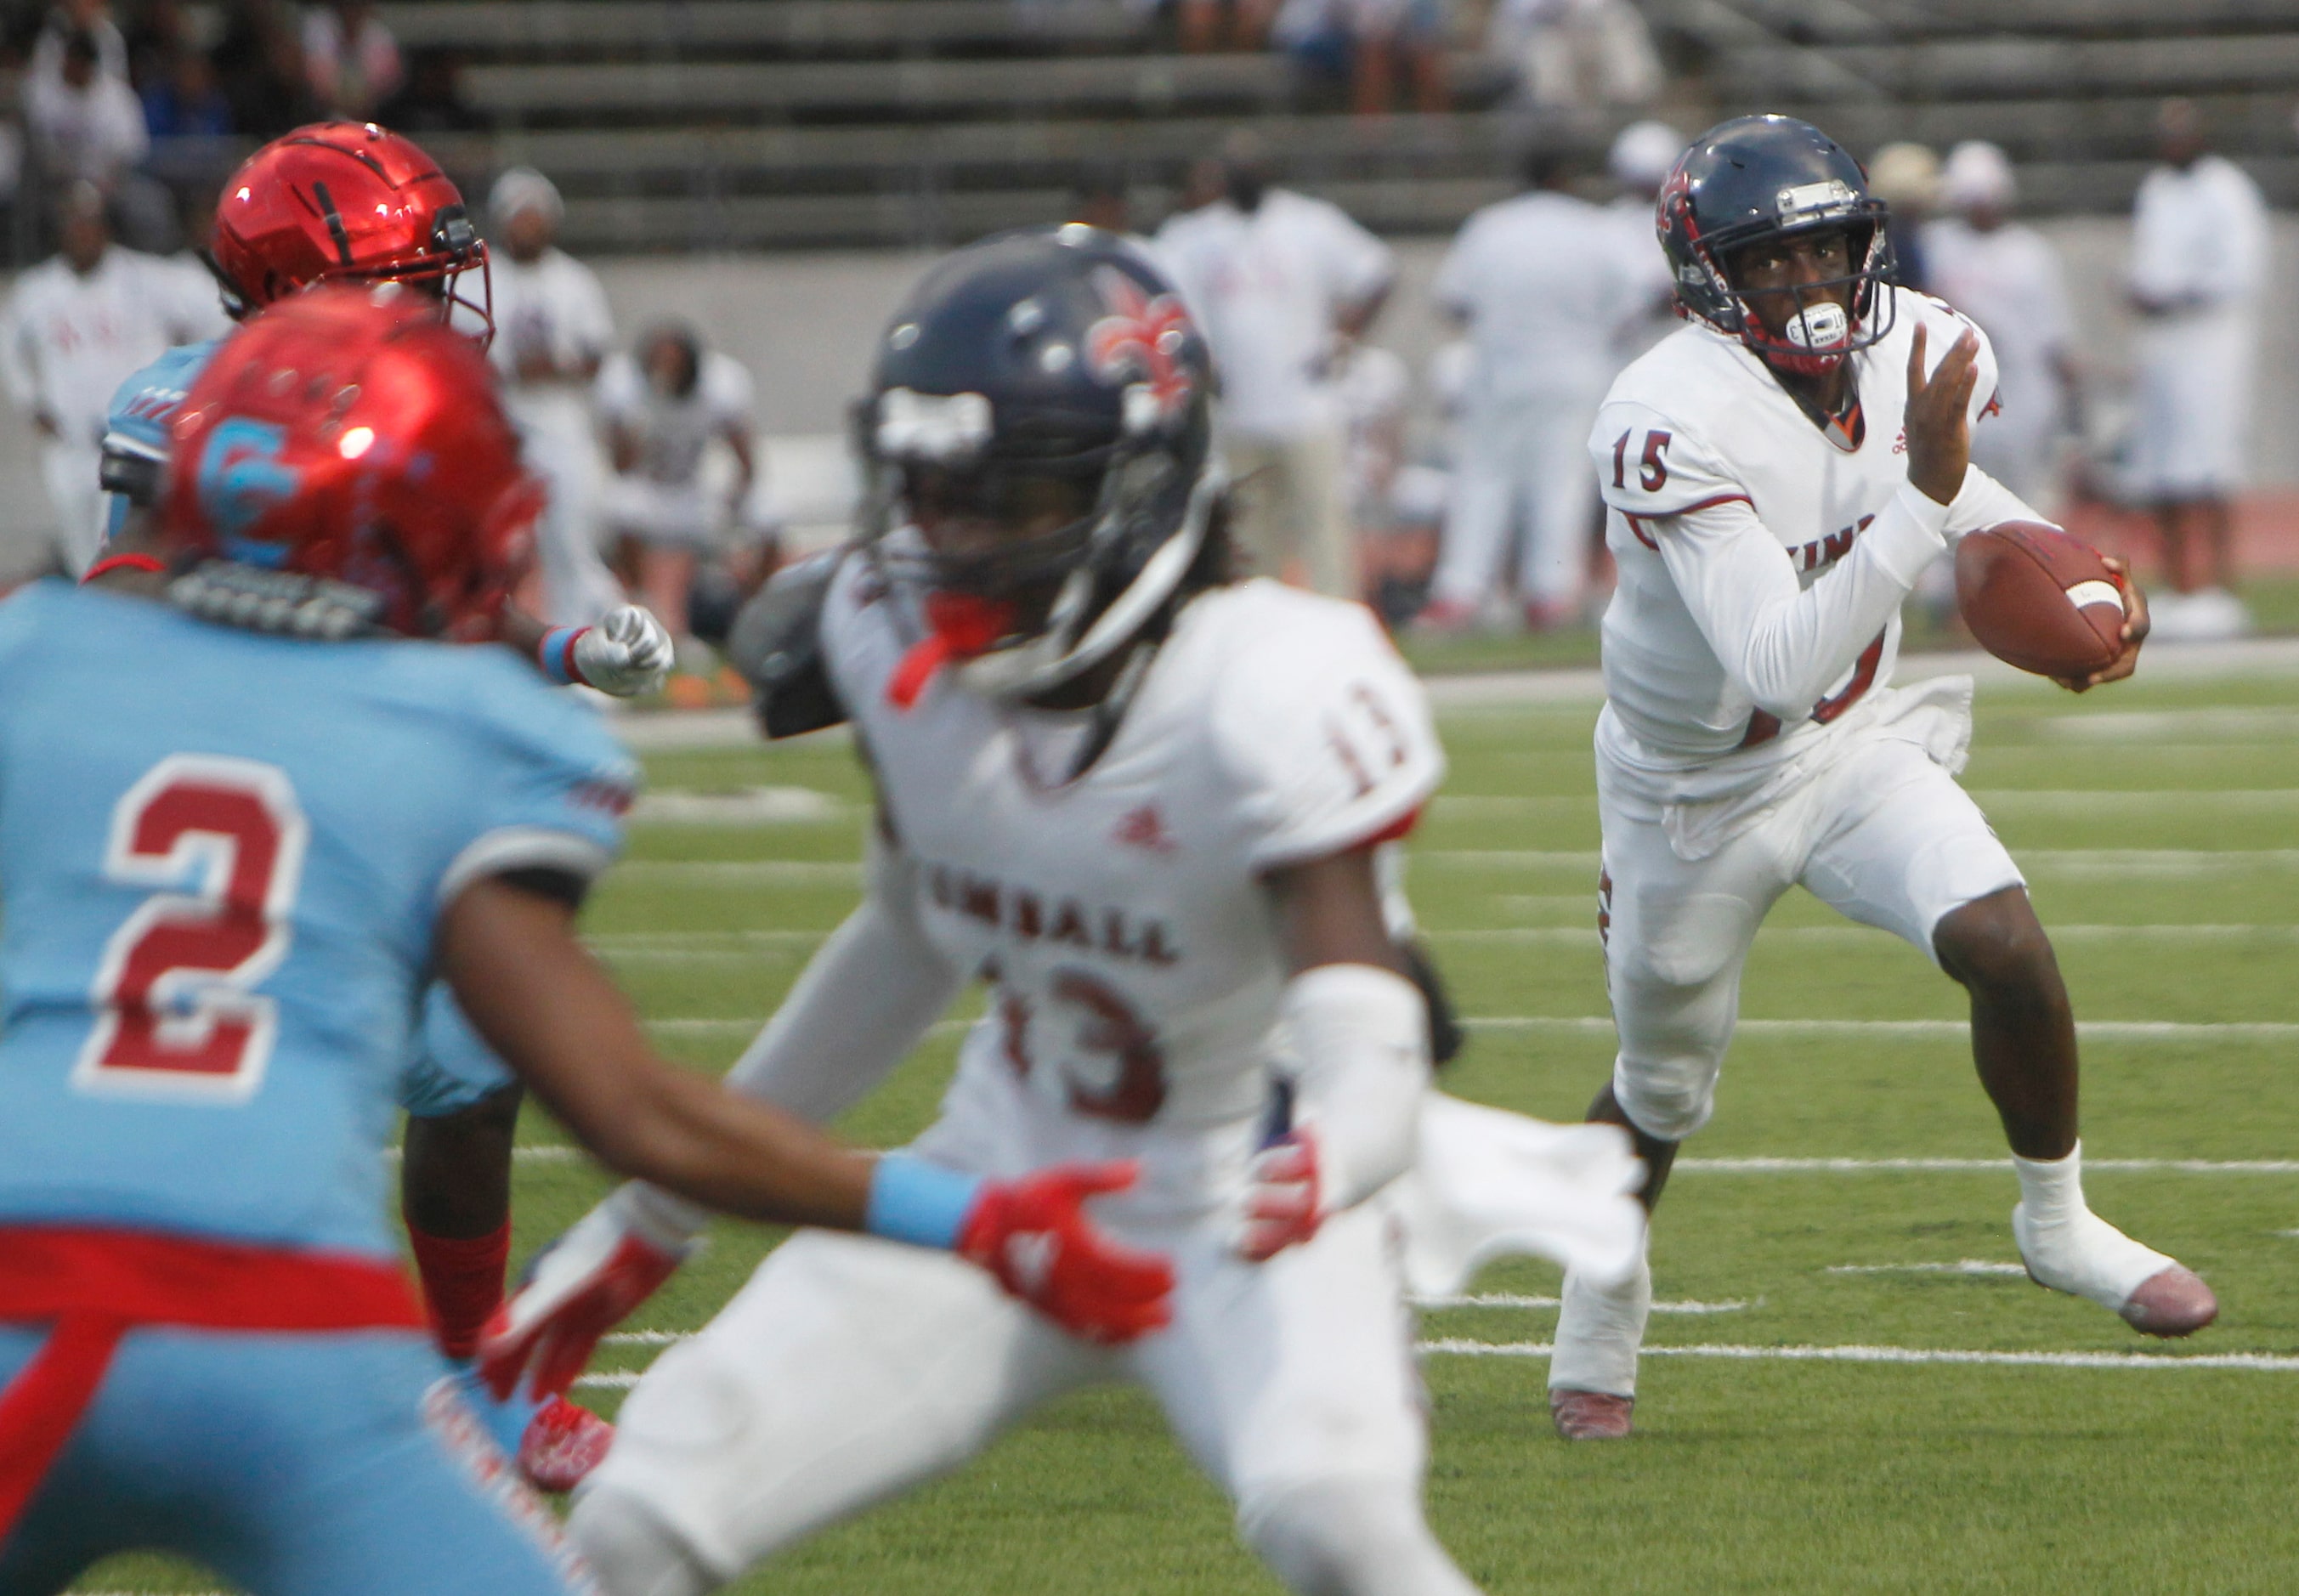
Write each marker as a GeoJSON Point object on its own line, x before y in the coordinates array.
{"type": "Point", "coordinates": [563, 1444]}
{"type": "Point", "coordinates": [2170, 1302]}
{"type": "Point", "coordinates": [1590, 1414]}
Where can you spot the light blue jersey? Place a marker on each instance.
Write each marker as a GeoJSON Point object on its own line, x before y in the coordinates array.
{"type": "Point", "coordinates": [450, 1068]}
{"type": "Point", "coordinates": [140, 427]}
{"type": "Point", "coordinates": [222, 857]}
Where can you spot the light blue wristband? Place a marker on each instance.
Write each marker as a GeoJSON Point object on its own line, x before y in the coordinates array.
{"type": "Point", "coordinates": [921, 1203]}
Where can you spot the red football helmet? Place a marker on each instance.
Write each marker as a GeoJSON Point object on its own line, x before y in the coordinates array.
{"type": "Point", "coordinates": [345, 200]}
{"type": "Point", "coordinates": [344, 464]}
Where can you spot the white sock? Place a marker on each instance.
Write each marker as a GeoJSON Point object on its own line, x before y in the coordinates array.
{"type": "Point", "coordinates": [2067, 1246]}
{"type": "Point", "coordinates": [1599, 1332]}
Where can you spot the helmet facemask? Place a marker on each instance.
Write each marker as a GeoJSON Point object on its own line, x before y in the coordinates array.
{"type": "Point", "coordinates": [1822, 330]}
{"type": "Point", "coordinates": [1027, 569]}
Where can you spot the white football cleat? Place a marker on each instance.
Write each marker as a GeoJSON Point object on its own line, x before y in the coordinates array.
{"type": "Point", "coordinates": [2087, 1257]}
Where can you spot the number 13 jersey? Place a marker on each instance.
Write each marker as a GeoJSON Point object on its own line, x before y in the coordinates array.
{"type": "Point", "coordinates": [1120, 917]}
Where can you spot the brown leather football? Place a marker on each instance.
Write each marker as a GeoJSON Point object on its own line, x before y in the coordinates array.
{"type": "Point", "coordinates": [2039, 599]}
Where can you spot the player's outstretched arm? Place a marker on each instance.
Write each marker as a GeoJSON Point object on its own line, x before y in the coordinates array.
{"type": "Point", "coordinates": [625, 653]}
{"type": "Point", "coordinates": [546, 1006]}
{"type": "Point", "coordinates": [1361, 1028]}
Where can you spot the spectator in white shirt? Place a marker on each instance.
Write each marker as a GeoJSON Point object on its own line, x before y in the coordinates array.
{"type": "Point", "coordinates": [350, 58]}
{"type": "Point", "coordinates": [1639, 162]}
{"type": "Point", "coordinates": [553, 331]}
{"type": "Point", "coordinates": [2198, 256]}
{"type": "Point", "coordinates": [86, 124]}
{"type": "Point", "coordinates": [75, 328]}
{"type": "Point", "coordinates": [2007, 278]}
{"type": "Point", "coordinates": [1279, 280]}
{"type": "Point", "coordinates": [662, 410]}
{"type": "Point", "coordinates": [1543, 287]}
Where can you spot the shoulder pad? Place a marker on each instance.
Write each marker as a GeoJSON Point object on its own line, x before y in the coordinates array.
{"type": "Point", "coordinates": [776, 644]}
{"type": "Point", "coordinates": [132, 469]}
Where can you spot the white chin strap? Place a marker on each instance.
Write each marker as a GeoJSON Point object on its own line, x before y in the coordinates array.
{"type": "Point", "coordinates": [1049, 660]}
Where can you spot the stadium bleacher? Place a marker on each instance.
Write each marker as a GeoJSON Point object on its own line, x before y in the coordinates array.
{"type": "Point", "coordinates": [721, 124]}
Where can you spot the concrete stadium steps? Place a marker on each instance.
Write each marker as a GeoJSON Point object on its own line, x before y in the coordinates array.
{"type": "Point", "coordinates": [621, 29]}
{"type": "Point", "coordinates": [584, 93]}
{"type": "Point", "coordinates": [1966, 69]}
{"type": "Point", "coordinates": [1841, 21]}
{"type": "Point", "coordinates": [636, 223]}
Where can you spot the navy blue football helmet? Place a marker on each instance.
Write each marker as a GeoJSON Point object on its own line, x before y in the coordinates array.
{"type": "Point", "coordinates": [1756, 178]}
{"type": "Point", "coordinates": [1049, 384]}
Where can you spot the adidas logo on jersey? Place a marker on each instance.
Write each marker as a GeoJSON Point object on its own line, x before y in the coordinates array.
{"type": "Point", "coordinates": [1145, 827]}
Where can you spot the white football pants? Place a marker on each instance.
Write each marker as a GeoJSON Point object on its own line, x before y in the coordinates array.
{"type": "Point", "coordinates": [850, 1371]}
{"type": "Point", "coordinates": [577, 588]}
{"type": "Point", "coordinates": [1878, 833]}
{"type": "Point", "coordinates": [71, 472]}
{"type": "Point", "coordinates": [1523, 463]}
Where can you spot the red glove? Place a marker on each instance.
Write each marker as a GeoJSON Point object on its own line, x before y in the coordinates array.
{"type": "Point", "coordinates": [1282, 1210]}
{"type": "Point", "coordinates": [1034, 1235]}
{"type": "Point", "coordinates": [582, 1286]}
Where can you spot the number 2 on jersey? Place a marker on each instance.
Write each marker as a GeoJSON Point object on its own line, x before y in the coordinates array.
{"type": "Point", "coordinates": [220, 841]}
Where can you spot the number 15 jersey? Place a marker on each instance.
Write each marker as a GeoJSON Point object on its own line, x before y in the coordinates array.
{"type": "Point", "coordinates": [1726, 501]}
{"type": "Point", "coordinates": [223, 856]}
{"type": "Point", "coordinates": [1120, 917]}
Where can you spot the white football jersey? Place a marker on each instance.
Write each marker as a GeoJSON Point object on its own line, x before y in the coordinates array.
{"type": "Point", "coordinates": [68, 340]}
{"type": "Point", "coordinates": [1119, 918]}
{"type": "Point", "coordinates": [1762, 558]}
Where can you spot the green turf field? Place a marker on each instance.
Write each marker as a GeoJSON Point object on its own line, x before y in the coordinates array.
{"type": "Point", "coordinates": [2159, 826]}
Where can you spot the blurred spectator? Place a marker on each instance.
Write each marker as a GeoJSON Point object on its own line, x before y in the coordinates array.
{"type": "Point", "coordinates": [432, 102]}
{"type": "Point", "coordinates": [1374, 388]}
{"type": "Point", "coordinates": [1098, 197]}
{"type": "Point", "coordinates": [553, 330]}
{"type": "Point", "coordinates": [1570, 53]}
{"type": "Point", "coordinates": [186, 102]}
{"type": "Point", "coordinates": [2198, 256]}
{"type": "Point", "coordinates": [1906, 178]}
{"type": "Point", "coordinates": [90, 17]}
{"type": "Point", "coordinates": [157, 32]}
{"type": "Point", "coordinates": [1394, 39]}
{"type": "Point", "coordinates": [1201, 22]}
{"type": "Point", "coordinates": [1279, 280]}
{"type": "Point", "coordinates": [260, 62]}
{"type": "Point", "coordinates": [75, 328]}
{"type": "Point", "coordinates": [349, 59]}
{"type": "Point", "coordinates": [1639, 161]}
{"type": "Point", "coordinates": [662, 409]}
{"type": "Point", "coordinates": [2007, 278]}
{"type": "Point", "coordinates": [1542, 285]}
{"type": "Point", "coordinates": [84, 122]}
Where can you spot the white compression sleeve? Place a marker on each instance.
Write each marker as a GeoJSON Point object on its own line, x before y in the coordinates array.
{"type": "Point", "coordinates": [1362, 1036]}
{"type": "Point", "coordinates": [1984, 502]}
{"type": "Point", "coordinates": [861, 1004]}
{"type": "Point", "coordinates": [1785, 646]}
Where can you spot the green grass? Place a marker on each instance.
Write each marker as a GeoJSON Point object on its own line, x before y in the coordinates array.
{"type": "Point", "coordinates": [1759, 1476]}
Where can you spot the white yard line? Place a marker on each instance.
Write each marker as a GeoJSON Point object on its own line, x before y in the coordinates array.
{"type": "Point", "coordinates": [1962, 1265]}
{"type": "Point", "coordinates": [1830, 1166]}
{"type": "Point", "coordinates": [736, 872]}
{"type": "Point", "coordinates": [2264, 1362]}
{"type": "Point", "coordinates": [2090, 1030]}
{"type": "Point", "coordinates": [1458, 1347]}
{"type": "Point", "coordinates": [1863, 934]}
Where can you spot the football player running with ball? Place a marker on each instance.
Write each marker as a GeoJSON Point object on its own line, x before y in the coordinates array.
{"type": "Point", "coordinates": [1780, 474]}
{"type": "Point", "coordinates": [1141, 800]}
{"type": "Point", "coordinates": [251, 802]}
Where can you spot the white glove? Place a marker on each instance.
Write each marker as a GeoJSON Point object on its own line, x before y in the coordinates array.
{"type": "Point", "coordinates": [626, 653]}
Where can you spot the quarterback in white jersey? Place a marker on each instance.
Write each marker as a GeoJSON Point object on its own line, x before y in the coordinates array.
{"type": "Point", "coordinates": [1778, 474]}
{"type": "Point", "coordinates": [1141, 802]}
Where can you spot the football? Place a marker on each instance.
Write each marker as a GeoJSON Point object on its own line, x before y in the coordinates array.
{"type": "Point", "coordinates": [2039, 599]}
